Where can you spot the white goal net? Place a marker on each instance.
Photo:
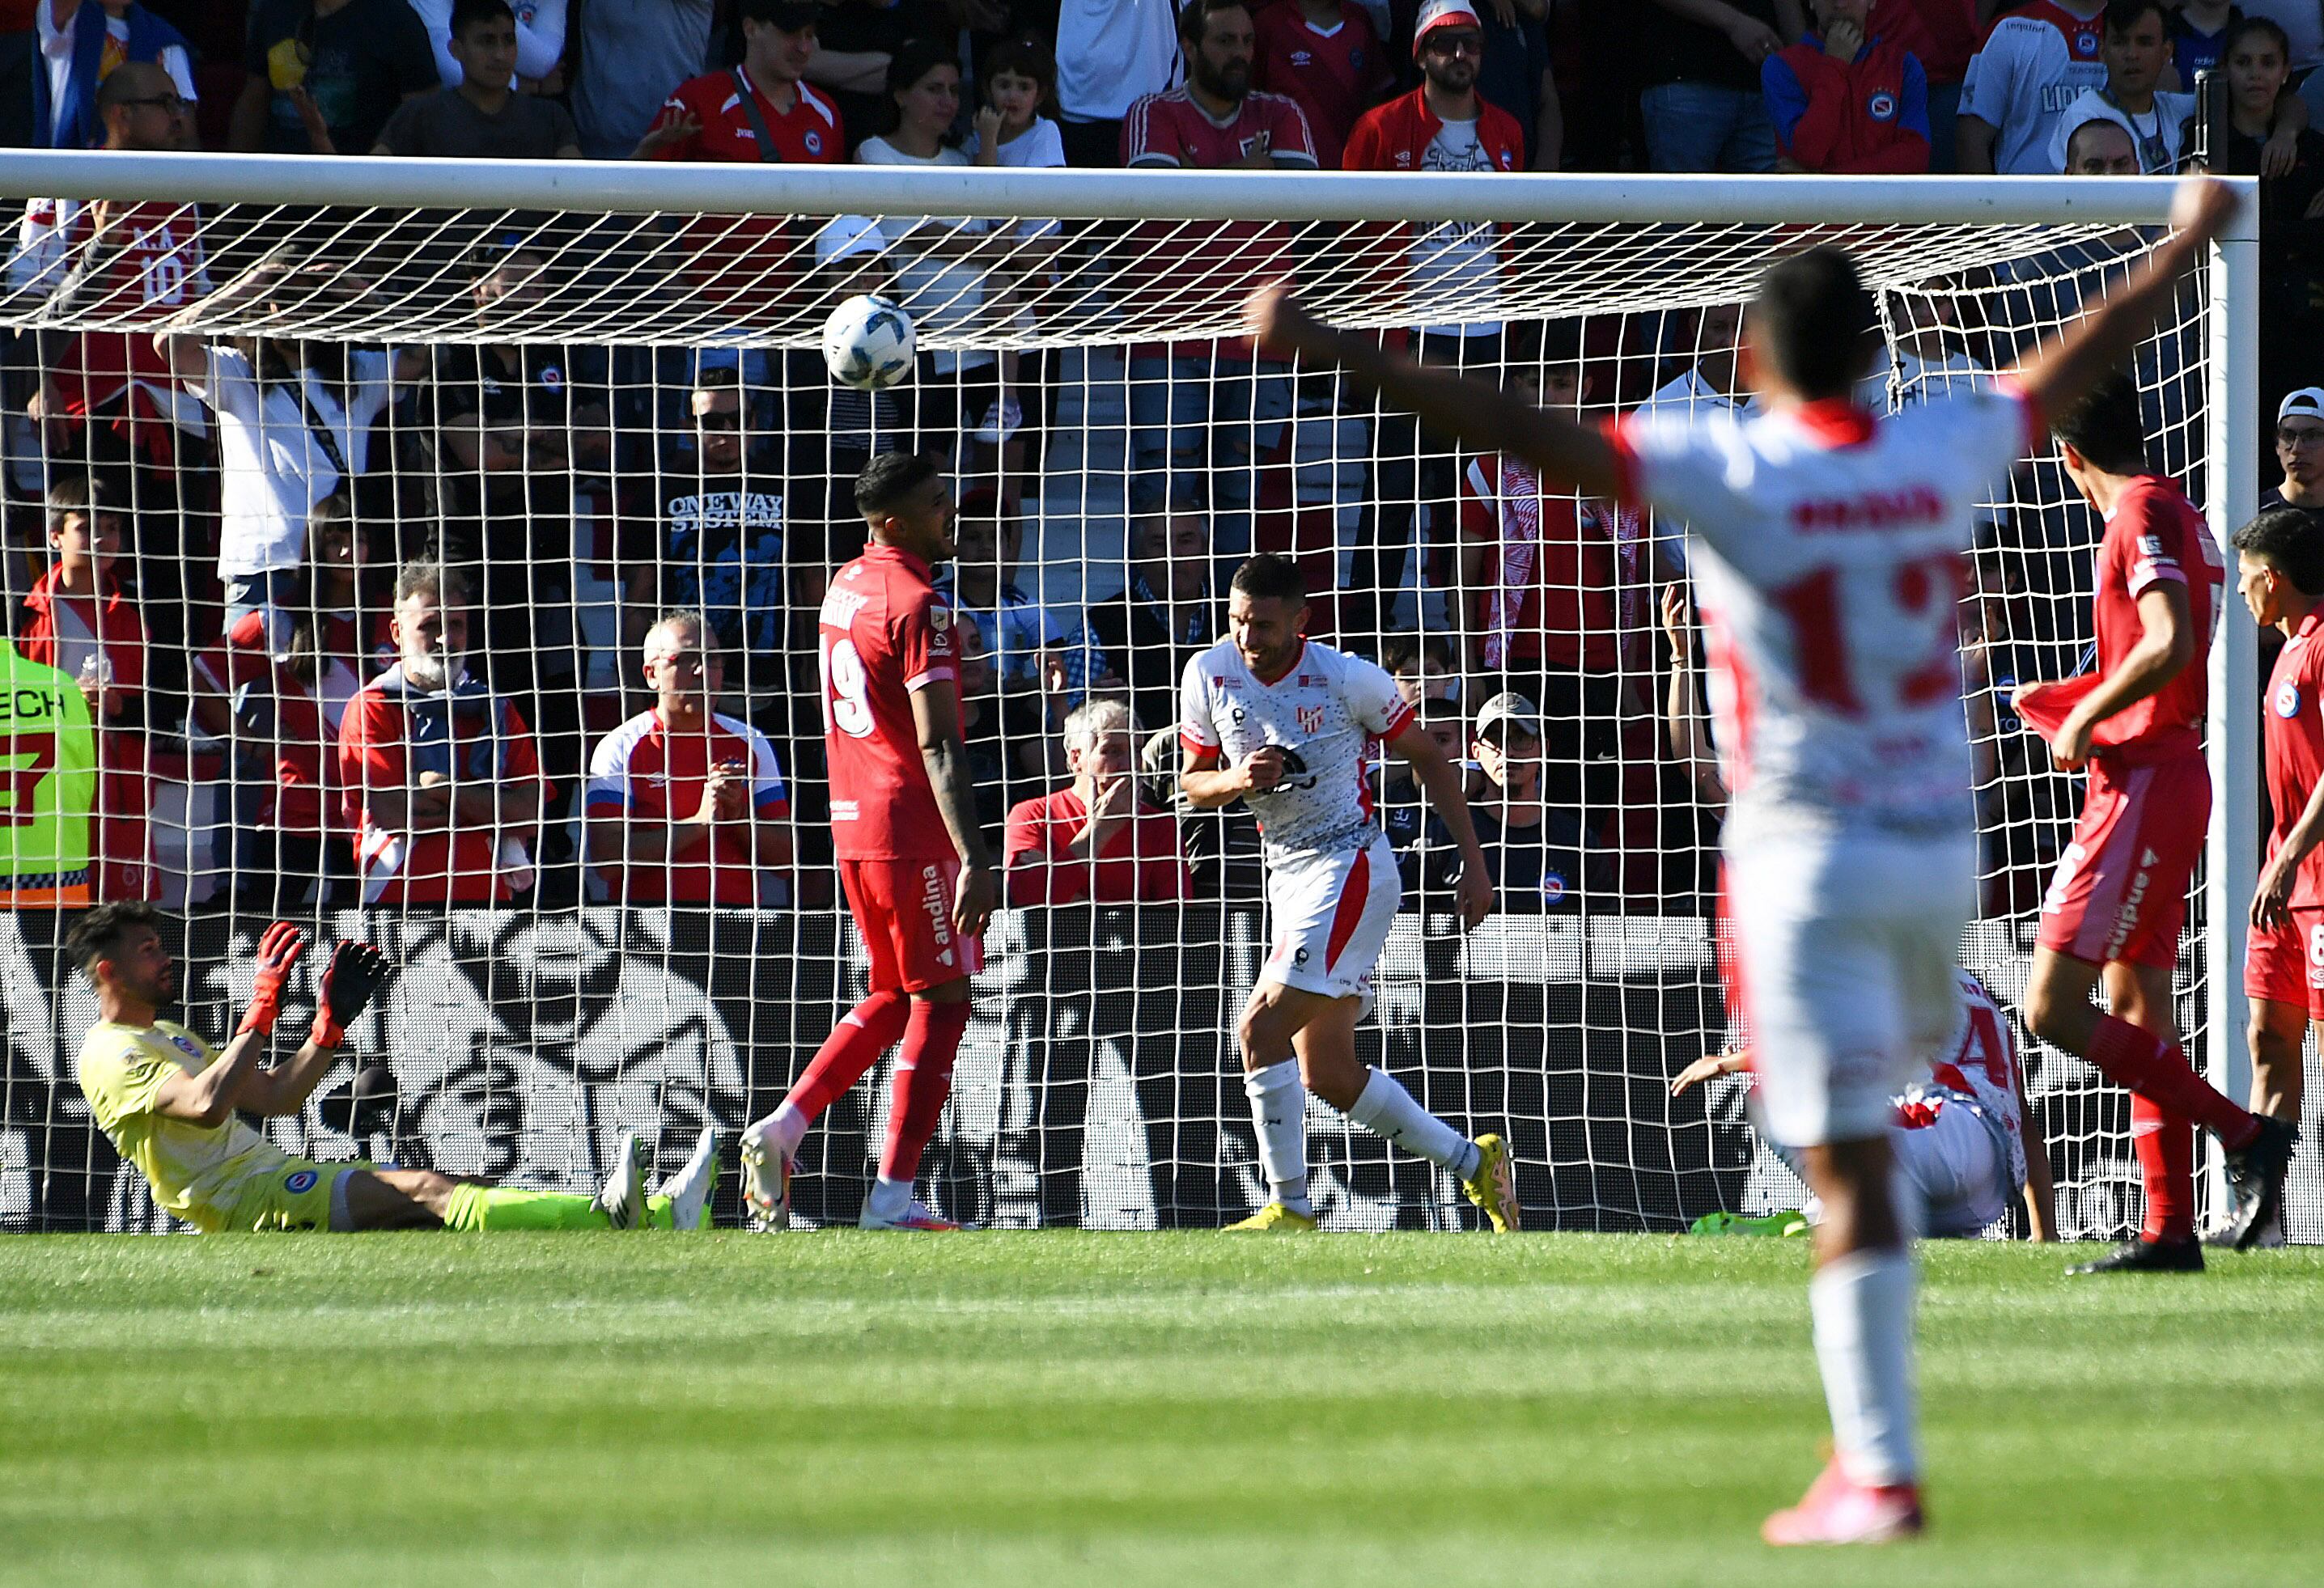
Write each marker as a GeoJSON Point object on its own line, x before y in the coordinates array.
{"type": "Point", "coordinates": [593, 393]}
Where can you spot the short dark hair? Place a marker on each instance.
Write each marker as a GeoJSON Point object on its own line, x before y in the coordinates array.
{"type": "Point", "coordinates": [447, 585]}
{"type": "Point", "coordinates": [99, 932]}
{"type": "Point", "coordinates": [782, 14]}
{"type": "Point", "coordinates": [2122, 15]}
{"type": "Point", "coordinates": [2106, 425]}
{"type": "Point", "coordinates": [1269, 575]}
{"type": "Point", "coordinates": [467, 14]}
{"type": "Point", "coordinates": [2234, 36]}
{"type": "Point", "coordinates": [1195, 19]}
{"type": "Point", "coordinates": [87, 494]}
{"type": "Point", "coordinates": [2292, 538]}
{"type": "Point", "coordinates": [1815, 322]}
{"type": "Point", "coordinates": [718, 378]}
{"type": "Point", "coordinates": [1025, 57]}
{"type": "Point", "coordinates": [889, 478]}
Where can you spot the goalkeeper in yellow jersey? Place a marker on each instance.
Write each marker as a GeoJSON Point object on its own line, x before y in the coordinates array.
{"type": "Point", "coordinates": [169, 1103]}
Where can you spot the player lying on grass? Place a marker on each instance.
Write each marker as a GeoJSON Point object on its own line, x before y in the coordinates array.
{"type": "Point", "coordinates": [1272, 717]}
{"type": "Point", "coordinates": [1828, 545]}
{"type": "Point", "coordinates": [1959, 1137]}
{"type": "Point", "coordinates": [171, 1104]}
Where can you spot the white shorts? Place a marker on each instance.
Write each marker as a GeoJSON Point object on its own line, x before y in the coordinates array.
{"type": "Point", "coordinates": [1845, 954]}
{"type": "Point", "coordinates": [1958, 1170]}
{"type": "Point", "coordinates": [1330, 917]}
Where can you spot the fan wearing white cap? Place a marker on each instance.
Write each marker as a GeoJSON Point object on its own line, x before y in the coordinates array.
{"type": "Point", "coordinates": [2300, 450]}
{"type": "Point", "coordinates": [1827, 545]}
{"type": "Point", "coordinates": [1292, 728]}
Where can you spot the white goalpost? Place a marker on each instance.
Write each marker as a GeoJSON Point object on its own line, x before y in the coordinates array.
{"type": "Point", "coordinates": [603, 401]}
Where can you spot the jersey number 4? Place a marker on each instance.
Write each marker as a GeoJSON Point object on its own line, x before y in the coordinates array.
{"type": "Point", "coordinates": [1924, 658]}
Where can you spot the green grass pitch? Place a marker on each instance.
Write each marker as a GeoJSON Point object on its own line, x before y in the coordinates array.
{"type": "Point", "coordinates": [1110, 1411]}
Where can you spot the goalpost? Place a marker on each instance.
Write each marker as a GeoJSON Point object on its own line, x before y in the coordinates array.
{"type": "Point", "coordinates": [580, 480]}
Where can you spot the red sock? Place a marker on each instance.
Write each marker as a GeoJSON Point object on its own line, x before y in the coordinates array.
{"type": "Point", "coordinates": [2166, 1163]}
{"type": "Point", "coordinates": [854, 1046]}
{"type": "Point", "coordinates": [2159, 1072]}
{"type": "Point", "coordinates": [923, 1082]}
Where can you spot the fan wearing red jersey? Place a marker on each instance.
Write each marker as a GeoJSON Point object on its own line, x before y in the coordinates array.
{"type": "Point", "coordinates": [2118, 899]}
{"type": "Point", "coordinates": [2280, 574]}
{"type": "Point", "coordinates": [911, 854]}
{"type": "Point", "coordinates": [1827, 544]}
{"type": "Point", "coordinates": [685, 804]}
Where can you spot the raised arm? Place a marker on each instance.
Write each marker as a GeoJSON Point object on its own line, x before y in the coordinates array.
{"type": "Point", "coordinates": [1476, 412]}
{"type": "Point", "coordinates": [233, 1080]}
{"type": "Point", "coordinates": [2059, 372]}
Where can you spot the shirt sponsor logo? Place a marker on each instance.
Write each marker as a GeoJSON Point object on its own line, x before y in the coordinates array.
{"type": "Point", "coordinates": [845, 811]}
{"type": "Point", "coordinates": [2287, 699]}
{"type": "Point", "coordinates": [1883, 107]}
{"type": "Point", "coordinates": [1875, 509]}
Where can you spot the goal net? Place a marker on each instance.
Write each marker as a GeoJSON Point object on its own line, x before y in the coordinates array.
{"type": "Point", "coordinates": [593, 393]}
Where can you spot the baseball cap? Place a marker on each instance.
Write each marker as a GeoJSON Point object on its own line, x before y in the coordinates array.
{"type": "Point", "coordinates": [1508, 708]}
{"type": "Point", "coordinates": [848, 236]}
{"type": "Point", "coordinates": [2306, 403]}
{"type": "Point", "coordinates": [1442, 14]}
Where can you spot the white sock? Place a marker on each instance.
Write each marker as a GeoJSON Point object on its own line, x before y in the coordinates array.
{"type": "Point", "coordinates": [888, 1198]}
{"type": "Point", "coordinates": [1386, 1108]}
{"type": "Point", "coordinates": [783, 1130]}
{"type": "Point", "coordinates": [1279, 1108]}
{"type": "Point", "coordinates": [1862, 1304]}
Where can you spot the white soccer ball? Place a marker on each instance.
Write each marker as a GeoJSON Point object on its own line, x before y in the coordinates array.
{"type": "Point", "coordinates": [867, 342]}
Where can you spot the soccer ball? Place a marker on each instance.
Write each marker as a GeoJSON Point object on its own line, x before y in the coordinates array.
{"type": "Point", "coordinates": [867, 342]}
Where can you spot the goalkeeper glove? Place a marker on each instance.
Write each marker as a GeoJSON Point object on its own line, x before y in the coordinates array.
{"type": "Point", "coordinates": [278, 951]}
{"type": "Point", "coordinates": [355, 971]}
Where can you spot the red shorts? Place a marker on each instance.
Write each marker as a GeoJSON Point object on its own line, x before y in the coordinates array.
{"type": "Point", "coordinates": [2285, 964]}
{"type": "Point", "coordinates": [2120, 890]}
{"type": "Point", "coordinates": [903, 908]}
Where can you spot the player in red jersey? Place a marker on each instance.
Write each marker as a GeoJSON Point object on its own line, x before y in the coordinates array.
{"type": "Point", "coordinates": [904, 829]}
{"type": "Point", "coordinates": [2280, 574]}
{"type": "Point", "coordinates": [2119, 896]}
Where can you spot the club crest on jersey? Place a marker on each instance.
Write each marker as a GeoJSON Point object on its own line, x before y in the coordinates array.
{"type": "Point", "coordinates": [2086, 44]}
{"type": "Point", "coordinates": [2287, 699]}
{"type": "Point", "coordinates": [301, 1180]}
{"type": "Point", "coordinates": [187, 1045]}
{"type": "Point", "coordinates": [814, 142]}
{"type": "Point", "coordinates": [1311, 719]}
{"type": "Point", "coordinates": [1553, 888]}
{"type": "Point", "coordinates": [1883, 106]}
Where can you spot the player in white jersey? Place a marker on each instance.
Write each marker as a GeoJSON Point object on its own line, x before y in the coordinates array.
{"type": "Point", "coordinates": [1292, 727]}
{"type": "Point", "coordinates": [1830, 546]}
{"type": "Point", "coordinates": [1959, 1132]}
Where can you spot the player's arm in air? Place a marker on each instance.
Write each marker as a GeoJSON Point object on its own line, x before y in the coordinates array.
{"type": "Point", "coordinates": [1436, 775]}
{"type": "Point", "coordinates": [234, 1079]}
{"type": "Point", "coordinates": [943, 752]}
{"type": "Point", "coordinates": [2166, 645]}
{"type": "Point", "coordinates": [2055, 376]}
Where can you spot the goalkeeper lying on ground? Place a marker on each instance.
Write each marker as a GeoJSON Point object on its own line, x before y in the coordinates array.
{"type": "Point", "coordinates": [169, 1102]}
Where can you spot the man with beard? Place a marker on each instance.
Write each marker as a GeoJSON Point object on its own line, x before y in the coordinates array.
{"type": "Point", "coordinates": [1443, 125]}
{"type": "Point", "coordinates": [1195, 407]}
{"type": "Point", "coordinates": [171, 1105]}
{"type": "Point", "coordinates": [440, 773]}
{"type": "Point", "coordinates": [703, 530]}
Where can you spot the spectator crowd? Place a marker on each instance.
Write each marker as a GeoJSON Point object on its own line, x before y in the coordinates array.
{"type": "Point", "coordinates": [505, 620]}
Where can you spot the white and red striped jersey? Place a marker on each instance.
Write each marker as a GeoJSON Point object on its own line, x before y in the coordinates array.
{"type": "Point", "coordinates": [1830, 557]}
{"type": "Point", "coordinates": [641, 771]}
{"type": "Point", "coordinates": [1328, 714]}
{"type": "Point", "coordinates": [1982, 1068]}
